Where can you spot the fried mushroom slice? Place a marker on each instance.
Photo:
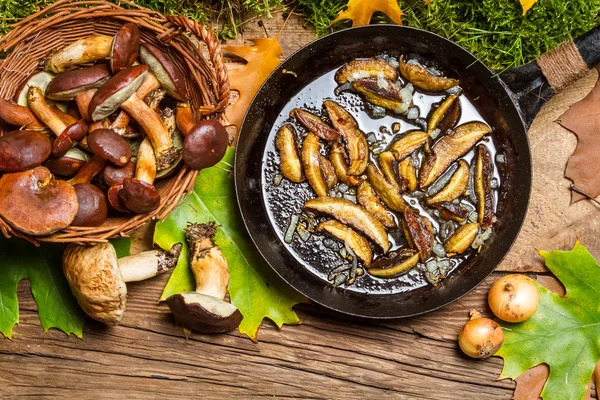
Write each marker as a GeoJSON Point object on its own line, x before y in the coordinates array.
{"type": "Point", "coordinates": [452, 212]}
{"type": "Point", "coordinates": [367, 198]}
{"type": "Point", "coordinates": [419, 233]}
{"type": "Point", "coordinates": [408, 175]}
{"type": "Point", "coordinates": [408, 143]}
{"type": "Point", "coordinates": [352, 215]}
{"type": "Point", "coordinates": [455, 187]}
{"type": "Point", "coordinates": [314, 124]}
{"type": "Point", "coordinates": [371, 68]}
{"type": "Point", "coordinates": [388, 193]}
{"type": "Point", "coordinates": [483, 190]}
{"type": "Point", "coordinates": [383, 93]}
{"type": "Point", "coordinates": [445, 116]}
{"type": "Point", "coordinates": [449, 148]}
{"type": "Point", "coordinates": [358, 244]}
{"type": "Point", "coordinates": [337, 157]}
{"type": "Point", "coordinates": [328, 172]}
{"type": "Point", "coordinates": [386, 165]}
{"type": "Point", "coordinates": [388, 267]}
{"type": "Point", "coordinates": [460, 241]}
{"type": "Point", "coordinates": [356, 143]}
{"type": "Point", "coordinates": [423, 79]}
{"type": "Point", "coordinates": [312, 165]}
{"type": "Point", "coordinates": [290, 164]}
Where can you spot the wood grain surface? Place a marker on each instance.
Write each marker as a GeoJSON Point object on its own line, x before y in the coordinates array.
{"type": "Point", "coordinates": [328, 356]}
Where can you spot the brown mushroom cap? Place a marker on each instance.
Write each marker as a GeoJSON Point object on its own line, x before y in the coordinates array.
{"type": "Point", "coordinates": [93, 209]}
{"type": "Point", "coordinates": [67, 165]}
{"type": "Point", "coordinates": [72, 133]}
{"type": "Point", "coordinates": [205, 144]}
{"type": "Point", "coordinates": [35, 203]}
{"type": "Point", "coordinates": [21, 150]}
{"type": "Point", "coordinates": [96, 281]}
{"type": "Point", "coordinates": [125, 47]}
{"type": "Point", "coordinates": [165, 69]}
{"type": "Point", "coordinates": [114, 176]}
{"type": "Point", "coordinates": [139, 196]}
{"type": "Point", "coordinates": [110, 146]}
{"type": "Point", "coordinates": [114, 200]}
{"type": "Point", "coordinates": [117, 90]}
{"type": "Point", "coordinates": [203, 313]}
{"type": "Point", "coordinates": [67, 85]}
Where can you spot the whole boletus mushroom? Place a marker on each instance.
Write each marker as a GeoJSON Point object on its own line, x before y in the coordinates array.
{"type": "Point", "coordinates": [21, 150]}
{"type": "Point", "coordinates": [93, 208]}
{"type": "Point", "coordinates": [206, 310]}
{"type": "Point", "coordinates": [125, 47]}
{"type": "Point", "coordinates": [97, 278]}
{"type": "Point", "coordinates": [139, 194]}
{"type": "Point", "coordinates": [35, 203]}
{"type": "Point", "coordinates": [68, 85]}
{"type": "Point", "coordinates": [205, 144]}
{"type": "Point", "coordinates": [165, 69]}
{"type": "Point", "coordinates": [69, 164]}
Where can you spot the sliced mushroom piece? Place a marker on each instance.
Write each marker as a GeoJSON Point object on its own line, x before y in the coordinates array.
{"type": "Point", "coordinates": [40, 79]}
{"type": "Point", "coordinates": [388, 267]}
{"type": "Point", "coordinates": [125, 47]}
{"type": "Point", "coordinates": [356, 143]}
{"type": "Point", "coordinates": [311, 164]}
{"type": "Point", "coordinates": [35, 203]}
{"type": "Point", "coordinates": [408, 143]}
{"type": "Point", "coordinates": [371, 68]}
{"type": "Point", "coordinates": [446, 116]}
{"type": "Point", "coordinates": [205, 145]}
{"type": "Point", "coordinates": [388, 193]}
{"type": "Point", "coordinates": [386, 165]}
{"type": "Point", "coordinates": [290, 164]}
{"type": "Point", "coordinates": [315, 124]}
{"type": "Point", "coordinates": [22, 117]}
{"type": "Point", "coordinates": [67, 85]}
{"type": "Point", "coordinates": [358, 244]}
{"type": "Point", "coordinates": [452, 212]}
{"type": "Point", "coordinates": [352, 215]}
{"type": "Point", "coordinates": [453, 145]}
{"type": "Point", "coordinates": [120, 91]}
{"type": "Point", "coordinates": [138, 194]}
{"type": "Point", "coordinates": [149, 85]}
{"type": "Point", "coordinates": [337, 157]}
{"type": "Point", "coordinates": [165, 69]}
{"type": "Point", "coordinates": [419, 233]}
{"type": "Point", "coordinates": [206, 310]}
{"type": "Point", "coordinates": [383, 93]}
{"type": "Point", "coordinates": [97, 277]}
{"type": "Point", "coordinates": [88, 49]}
{"type": "Point", "coordinates": [455, 188]}
{"type": "Point", "coordinates": [423, 79]}
{"type": "Point", "coordinates": [69, 164]}
{"type": "Point", "coordinates": [460, 241]}
{"type": "Point", "coordinates": [328, 172]}
{"type": "Point", "coordinates": [482, 182]}
{"type": "Point", "coordinates": [93, 208]}
{"type": "Point", "coordinates": [21, 150]}
{"type": "Point", "coordinates": [367, 198]}
{"type": "Point", "coordinates": [408, 175]}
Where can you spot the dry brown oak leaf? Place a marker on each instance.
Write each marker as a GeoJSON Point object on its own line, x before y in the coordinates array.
{"type": "Point", "coordinates": [262, 59]}
{"type": "Point", "coordinates": [583, 167]}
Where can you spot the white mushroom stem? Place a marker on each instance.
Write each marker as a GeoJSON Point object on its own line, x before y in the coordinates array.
{"type": "Point", "coordinates": [150, 83]}
{"type": "Point", "coordinates": [145, 169]}
{"type": "Point", "coordinates": [91, 48]}
{"type": "Point", "coordinates": [148, 264]}
{"type": "Point", "coordinates": [83, 102]}
{"type": "Point", "coordinates": [40, 108]}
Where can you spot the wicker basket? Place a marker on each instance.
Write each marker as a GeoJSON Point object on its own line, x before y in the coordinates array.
{"type": "Point", "coordinates": [65, 21]}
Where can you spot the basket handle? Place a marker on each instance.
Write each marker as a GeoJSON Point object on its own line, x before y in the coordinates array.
{"type": "Point", "coordinates": [215, 53]}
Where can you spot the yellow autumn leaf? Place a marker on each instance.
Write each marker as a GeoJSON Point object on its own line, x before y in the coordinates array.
{"type": "Point", "coordinates": [527, 4]}
{"type": "Point", "coordinates": [361, 11]}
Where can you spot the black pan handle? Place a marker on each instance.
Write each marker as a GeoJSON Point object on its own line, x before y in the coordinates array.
{"type": "Point", "coordinates": [533, 84]}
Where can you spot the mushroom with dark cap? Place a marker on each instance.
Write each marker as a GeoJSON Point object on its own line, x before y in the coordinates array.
{"type": "Point", "coordinates": [97, 278]}
{"type": "Point", "coordinates": [114, 176]}
{"type": "Point", "coordinates": [93, 208]}
{"type": "Point", "coordinates": [205, 310]}
{"type": "Point", "coordinates": [69, 164]}
{"type": "Point", "coordinates": [68, 85]}
{"type": "Point", "coordinates": [149, 85]}
{"type": "Point", "coordinates": [120, 91]}
{"type": "Point", "coordinates": [165, 69]}
{"type": "Point", "coordinates": [35, 203]}
{"type": "Point", "coordinates": [125, 47]}
{"type": "Point", "coordinates": [139, 194]}
{"type": "Point", "coordinates": [21, 150]}
{"type": "Point", "coordinates": [66, 134]}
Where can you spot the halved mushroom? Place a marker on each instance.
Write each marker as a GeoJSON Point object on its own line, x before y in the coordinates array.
{"type": "Point", "coordinates": [125, 47]}
{"type": "Point", "coordinates": [419, 233]}
{"type": "Point", "coordinates": [337, 156]}
{"type": "Point", "coordinates": [139, 194]}
{"type": "Point", "coordinates": [88, 49]}
{"type": "Point", "coordinates": [165, 69]}
{"type": "Point", "coordinates": [35, 203]}
{"type": "Point", "coordinates": [66, 134]}
{"type": "Point", "coordinates": [408, 143]}
{"type": "Point", "coordinates": [352, 215]}
{"type": "Point", "coordinates": [408, 175]}
{"type": "Point", "coordinates": [455, 187]}
{"type": "Point", "coordinates": [21, 150]}
{"type": "Point", "coordinates": [455, 144]}
{"type": "Point", "coordinates": [285, 143]}
{"type": "Point", "coordinates": [356, 143]}
{"type": "Point", "coordinates": [358, 244]}
{"type": "Point", "coordinates": [460, 241]}
{"type": "Point", "coordinates": [97, 278]}
{"type": "Point", "coordinates": [120, 91]}
{"type": "Point", "coordinates": [206, 310]}
{"type": "Point", "coordinates": [205, 145]}
{"type": "Point", "coordinates": [422, 78]}
{"type": "Point", "coordinates": [311, 164]}
{"type": "Point", "coordinates": [328, 172]}
{"type": "Point", "coordinates": [384, 93]}
{"type": "Point", "coordinates": [68, 85]}
{"type": "Point", "coordinates": [69, 164]}
{"type": "Point", "coordinates": [388, 193]}
{"type": "Point", "coordinates": [386, 165]}
{"type": "Point", "coordinates": [446, 116]}
{"type": "Point", "coordinates": [482, 182]}
{"type": "Point", "coordinates": [368, 199]}
{"type": "Point", "coordinates": [315, 124]}
{"type": "Point", "coordinates": [388, 267]}
{"type": "Point", "coordinates": [14, 114]}
{"type": "Point", "coordinates": [371, 68]}
{"type": "Point", "coordinates": [93, 209]}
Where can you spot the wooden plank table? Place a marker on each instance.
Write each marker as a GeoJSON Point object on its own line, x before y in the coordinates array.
{"type": "Point", "coordinates": [328, 356]}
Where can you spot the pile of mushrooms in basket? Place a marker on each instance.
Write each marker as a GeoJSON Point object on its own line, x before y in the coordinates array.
{"type": "Point", "coordinates": [93, 131]}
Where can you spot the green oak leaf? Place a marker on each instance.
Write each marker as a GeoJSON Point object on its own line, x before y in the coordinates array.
{"type": "Point", "coordinates": [564, 333]}
{"type": "Point", "coordinates": [253, 288]}
{"type": "Point", "coordinates": [42, 266]}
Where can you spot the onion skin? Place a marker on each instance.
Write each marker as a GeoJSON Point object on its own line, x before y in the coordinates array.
{"type": "Point", "coordinates": [480, 337]}
{"type": "Point", "coordinates": [514, 298]}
